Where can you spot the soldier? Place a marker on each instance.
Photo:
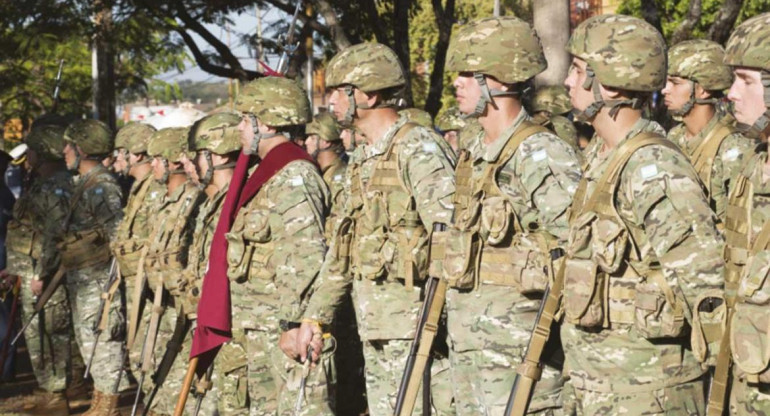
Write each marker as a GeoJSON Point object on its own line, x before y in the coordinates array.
{"type": "Point", "coordinates": [275, 249]}
{"type": "Point", "coordinates": [550, 106]}
{"type": "Point", "coordinates": [37, 222]}
{"type": "Point", "coordinates": [166, 259]}
{"type": "Point", "coordinates": [93, 216]}
{"type": "Point", "coordinates": [643, 245]}
{"type": "Point", "coordinates": [747, 228]}
{"type": "Point", "coordinates": [515, 183]}
{"type": "Point", "coordinates": [401, 183]}
{"type": "Point", "coordinates": [695, 81]}
{"type": "Point", "coordinates": [324, 144]}
{"type": "Point", "coordinates": [418, 116]}
{"type": "Point", "coordinates": [451, 123]}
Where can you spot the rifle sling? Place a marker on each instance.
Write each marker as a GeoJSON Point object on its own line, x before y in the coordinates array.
{"type": "Point", "coordinates": [107, 297]}
{"type": "Point", "coordinates": [136, 301]}
{"type": "Point", "coordinates": [50, 289]}
{"type": "Point", "coordinates": [152, 329]}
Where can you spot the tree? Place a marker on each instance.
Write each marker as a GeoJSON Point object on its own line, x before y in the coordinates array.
{"type": "Point", "coordinates": [551, 22]}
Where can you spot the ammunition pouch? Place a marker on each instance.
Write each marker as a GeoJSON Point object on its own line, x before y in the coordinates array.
{"type": "Point", "coordinates": [166, 266]}
{"type": "Point", "coordinates": [341, 246]}
{"type": "Point", "coordinates": [249, 251]}
{"type": "Point", "coordinates": [658, 312]}
{"type": "Point", "coordinates": [750, 326]}
{"type": "Point", "coordinates": [84, 249]}
{"type": "Point", "coordinates": [709, 320]}
{"type": "Point", "coordinates": [23, 239]}
{"type": "Point", "coordinates": [128, 254]}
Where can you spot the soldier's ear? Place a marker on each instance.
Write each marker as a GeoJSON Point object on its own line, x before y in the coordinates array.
{"type": "Point", "coordinates": [701, 93]}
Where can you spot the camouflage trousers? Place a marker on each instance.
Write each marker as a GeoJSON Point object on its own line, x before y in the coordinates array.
{"type": "Point", "coordinates": [231, 367]}
{"type": "Point", "coordinates": [385, 361]}
{"type": "Point", "coordinates": [274, 379]}
{"type": "Point", "coordinates": [167, 395]}
{"type": "Point", "coordinates": [85, 288]}
{"type": "Point", "coordinates": [748, 399]}
{"type": "Point", "coordinates": [682, 399]}
{"type": "Point", "coordinates": [489, 329]}
{"type": "Point", "coordinates": [50, 365]}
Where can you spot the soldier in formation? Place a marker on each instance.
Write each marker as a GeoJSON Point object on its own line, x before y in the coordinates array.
{"type": "Point", "coordinates": [550, 106]}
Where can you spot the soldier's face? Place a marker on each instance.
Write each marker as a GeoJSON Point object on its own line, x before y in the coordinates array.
{"type": "Point", "coordinates": [467, 92]}
{"type": "Point", "coordinates": [246, 131]}
{"type": "Point", "coordinates": [158, 170]}
{"type": "Point", "coordinates": [121, 160]}
{"type": "Point", "coordinates": [677, 92]}
{"type": "Point", "coordinates": [311, 143]}
{"type": "Point", "coordinates": [580, 97]}
{"type": "Point", "coordinates": [70, 154]}
{"type": "Point", "coordinates": [747, 95]}
{"type": "Point", "coordinates": [189, 169]}
{"type": "Point", "coordinates": [200, 161]}
{"type": "Point", "coordinates": [338, 103]}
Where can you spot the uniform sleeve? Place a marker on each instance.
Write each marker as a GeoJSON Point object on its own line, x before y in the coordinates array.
{"type": "Point", "coordinates": [428, 172]}
{"type": "Point", "coordinates": [104, 201]}
{"type": "Point", "coordinates": [297, 220]}
{"type": "Point", "coordinates": [541, 180]}
{"type": "Point", "coordinates": [52, 208]}
{"type": "Point", "coordinates": [735, 151]}
{"type": "Point", "coordinates": [668, 203]}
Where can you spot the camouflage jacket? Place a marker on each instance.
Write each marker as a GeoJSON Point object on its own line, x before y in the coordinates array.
{"type": "Point", "coordinates": [334, 176]}
{"type": "Point", "coordinates": [276, 247]}
{"type": "Point", "coordinates": [660, 199]}
{"type": "Point", "coordinates": [172, 233]}
{"type": "Point", "coordinates": [385, 309]}
{"type": "Point", "coordinates": [136, 226]}
{"type": "Point", "coordinates": [731, 157]}
{"type": "Point", "coordinates": [38, 219]}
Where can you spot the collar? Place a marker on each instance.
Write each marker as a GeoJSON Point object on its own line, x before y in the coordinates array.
{"type": "Point", "coordinates": [380, 146]}
{"type": "Point", "coordinates": [693, 142]}
{"type": "Point", "coordinates": [490, 152]}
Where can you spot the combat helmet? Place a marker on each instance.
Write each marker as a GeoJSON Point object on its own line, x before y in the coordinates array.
{"type": "Point", "coordinates": [276, 102]}
{"type": "Point", "coordinates": [93, 137]}
{"type": "Point", "coordinates": [47, 141]}
{"type": "Point", "coordinates": [169, 144]}
{"type": "Point", "coordinates": [133, 138]}
{"type": "Point", "coordinates": [449, 120]}
{"type": "Point", "coordinates": [553, 99]}
{"type": "Point", "coordinates": [749, 46]}
{"type": "Point", "coordinates": [418, 116]}
{"type": "Point", "coordinates": [370, 67]}
{"type": "Point", "coordinates": [325, 126]}
{"type": "Point", "coordinates": [699, 61]}
{"type": "Point", "coordinates": [216, 133]}
{"type": "Point", "coordinates": [505, 48]}
{"type": "Point", "coordinates": [621, 52]}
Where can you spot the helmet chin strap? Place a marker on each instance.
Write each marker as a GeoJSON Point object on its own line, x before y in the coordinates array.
{"type": "Point", "coordinates": [592, 110]}
{"type": "Point", "coordinates": [754, 131]}
{"type": "Point", "coordinates": [488, 96]}
{"type": "Point", "coordinates": [686, 107]}
{"type": "Point", "coordinates": [164, 179]}
{"type": "Point", "coordinates": [75, 165]}
{"type": "Point", "coordinates": [252, 150]}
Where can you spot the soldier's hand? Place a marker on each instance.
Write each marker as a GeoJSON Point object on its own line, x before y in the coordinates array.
{"type": "Point", "coordinates": [309, 334]}
{"type": "Point", "coordinates": [6, 280]}
{"type": "Point", "coordinates": [288, 343]}
{"type": "Point", "coordinates": [36, 286]}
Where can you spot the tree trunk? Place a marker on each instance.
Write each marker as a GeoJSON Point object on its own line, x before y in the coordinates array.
{"type": "Point", "coordinates": [684, 30]}
{"type": "Point", "coordinates": [724, 21]}
{"type": "Point", "coordinates": [401, 41]}
{"type": "Point", "coordinates": [444, 18]}
{"type": "Point", "coordinates": [338, 36]}
{"type": "Point", "coordinates": [551, 20]}
{"type": "Point", "coordinates": [103, 65]}
{"type": "Point", "coordinates": [651, 14]}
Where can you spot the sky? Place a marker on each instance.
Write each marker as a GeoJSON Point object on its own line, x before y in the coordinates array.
{"type": "Point", "coordinates": [242, 24]}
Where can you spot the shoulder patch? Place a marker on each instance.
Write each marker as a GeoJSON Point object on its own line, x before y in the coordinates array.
{"type": "Point", "coordinates": [649, 171]}
{"type": "Point", "coordinates": [731, 154]}
{"type": "Point", "coordinates": [296, 181]}
{"type": "Point", "coordinates": [539, 155]}
{"type": "Point", "coordinates": [429, 147]}
{"type": "Point", "coordinates": [98, 190]}
{"type": "Point", "coordinates": [337, 177]}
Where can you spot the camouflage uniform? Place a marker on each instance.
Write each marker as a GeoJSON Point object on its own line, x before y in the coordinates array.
{"type": "Point", "coordinates": [399, 187]}
{"type": "Point", "coordinates": [641, 253]}
{"type": "Point", "coordinates": [512, 199]}
{"type": "Point", "coordinates": [92, 220]}
{"type": "Point", "coordinates": [747, 253]}
{"type": "Point", "coordinates": [418, 116]}
{"type": "Point", "coordinates": [167, 255]}
{"type": "Point", "coordinates": [549, 106]}
{"type": "Point", "coordinates": [275, 249]}
{"type": "Point", "coordinates": [718, 152]}
{"type": "Point", "coordinates": [38, 216]}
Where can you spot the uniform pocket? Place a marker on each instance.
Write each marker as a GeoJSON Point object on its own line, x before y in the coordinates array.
{"type": "Point", "coordinates": [708, 326]}
{"type": "Point", "coordinates": [657, 311]}
{"type": "Point", "coordinates": [750, 329]}
{"type": "Point", "coordinates": [497, 220]}
{"type": "Point", "coordinates": [238, 257]}
{"type": "Point", "coordinates": [461, 258]}
{"type": "Point", "coordinates": [584, 293]}
{"type": "Point", "coordinates": [608, 243]}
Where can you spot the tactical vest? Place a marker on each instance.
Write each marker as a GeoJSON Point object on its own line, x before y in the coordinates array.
{"type": "Point", "coordinates": [330, 176]}
{"type": "Point", "coordinates": [199, 252]}
{"type": "Point", "coordinates": [22, 238]}
{"type": "Point", "coordinates": [607, 283]}
{"type": "Point", "coordinates": [84, 248]}
{"type": "Point", "coordinates": [383, 236]}
{"type": "Point", "coordinates": [704, 155]}
{"type": "Point", "coordinates": [493, 247]}
{"type": "Point", "coordinates": [747, 261]}
{"type": "Point", "coordinates": [126, 249]}
{"type": "Point", "coordinates": [167, 255]}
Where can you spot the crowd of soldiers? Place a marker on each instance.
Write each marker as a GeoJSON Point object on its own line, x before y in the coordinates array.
{"type": "Point", "coordinates": [648, 251]}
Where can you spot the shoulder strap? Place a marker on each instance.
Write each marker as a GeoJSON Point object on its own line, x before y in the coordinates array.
{"type": "Point", "coordinates": [78, 195]}
{"type": "Point", "coordinates": [526, 129]}
{"type": "Point", "coordinates": [703, 157]}
{"type": "Point", "coordinates": [386, 171]}
{"type": "Point", "coordinates": [136, 202]}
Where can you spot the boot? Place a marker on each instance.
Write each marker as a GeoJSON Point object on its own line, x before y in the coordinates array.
{"type": "Point", "coordinates": [108, 405]}
{"type": "Point", "coordinates": [96, 398]}
{"type": "Point", "coordinates": [78, 393]}
{"type": "Point", "coordinates": [48, 404]}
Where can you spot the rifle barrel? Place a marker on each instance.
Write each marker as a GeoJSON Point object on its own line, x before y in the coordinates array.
{"type": "Point", "coordinates": [91, 356]}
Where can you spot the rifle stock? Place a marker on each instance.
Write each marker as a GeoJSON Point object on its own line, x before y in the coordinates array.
{"type": "Point", "coordinates": [42, 300]}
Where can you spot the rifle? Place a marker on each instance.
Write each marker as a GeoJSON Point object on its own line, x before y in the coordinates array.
{"type": "Point", "coordinates": [57, 87]}
{"type": "Point", "coordinates": [173, 347]}
{"type": "Point", "coordinates": [108, 292]}
{"type": "Point", "coordinates": [14, 290]}
{"type": "Point", "coordinates": [288, 46]}
{"type": "Point", "coordinates": [188, 379]}
{"type": "Point", "coordinates": [201, 388]}
{"type": "Point", "coordinates": [530, 369]}
{"type": "Point", "coordinates": [303, 381]}
{"type": "Point", "coordinates": [417, 365]}
{"type": "Point", "coordinates": [149, 342]}
{"type": "Point", "coordinates": [56, 281]}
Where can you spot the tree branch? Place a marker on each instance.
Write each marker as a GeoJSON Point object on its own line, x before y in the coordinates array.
{"type": "Point", "coordinates": [338, 36]}
{"type": "Point", "coordinates": [289, 9]}
{"type": "Point", "coordinates": [723, 23]}
{"type": "Point", "coordinates": [651, 14]}
{"type": "Point", "coordinates": [444, 18]}
{"type": "Point", "coordinates": [374, 22]}
{"type": "Point", "coordinates": [685, 28]}
{"type": "Point", "coordinates": [205, 64]}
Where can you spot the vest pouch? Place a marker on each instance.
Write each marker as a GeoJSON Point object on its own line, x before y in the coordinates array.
{"type": "Point", "coordinates": [371, 237]}
{"type": "Point", "coordinates": [609, 240]}
{"type": "Point", "coordinates": [657, 311]}
{"type": "Point", "coordinates": [128, 253]}
{"type": "Point", "coordinates": [585, 293]}
{"type": "Point", "coordinates": [341, 246]}
{"type": "Point", "coordinates": [708, 326]}
{"type": "Point", "coordinates": [468, 218]}
{"type": "Point", "coordinates": [238, 257]}
{"type": "Point", "coordinates": [83, 249]}
{"type": "Point", "coordinates": [260, 267]}
{"type": "Point", "coordinates": [531, 259]}
{"type": "Point", "coordinates": [750, 327]}
{"type": "Point", "coordinates": [257, 236]}
{"type": "Point", "coordinates": [579, 243]}
{"type": "Point", "coordinates": [23, 239]}
{"type": "Point", "coordinates": [411, 256]}
{"type": "Point", "coordinates": [461, 256]}
{"type": "Point", "coordinates": [497, 221]}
